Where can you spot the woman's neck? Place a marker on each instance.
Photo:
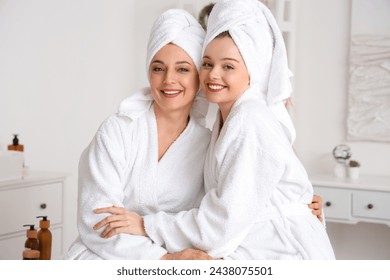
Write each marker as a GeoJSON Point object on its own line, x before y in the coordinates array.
{"type": "Point", "coordinates": [172, 120]}
{"type": "Point", "coordinates": [225, 109]}
{"type": "Point", "coordinates": [169, 127]}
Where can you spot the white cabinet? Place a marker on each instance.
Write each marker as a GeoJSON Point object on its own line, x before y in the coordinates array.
{"type": "Point", "coordinates": [21, 201]}
{"type": "Point", "coordinates": [352, 201]}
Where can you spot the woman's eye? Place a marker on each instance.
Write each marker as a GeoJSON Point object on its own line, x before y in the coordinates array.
{"type": "Point", "coordinates": [157, 69]}
{"type": "Point", "coordinates": [206, 65]}
{"type": "Point", "coordinates": [183, 70]}
{"type": "Point", "coordinates": [229, 67]}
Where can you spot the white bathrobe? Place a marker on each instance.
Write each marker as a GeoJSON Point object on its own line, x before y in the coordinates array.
{"type": "Point", "coordinates": [120, 167]}
{"type": "Point", "coordinates": [256, 199]}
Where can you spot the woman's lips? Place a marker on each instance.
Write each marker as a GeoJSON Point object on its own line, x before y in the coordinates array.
{"type": "Point", "coordinates": [215, 87]}
{"type": "Point", "coordinates": [170, 93]}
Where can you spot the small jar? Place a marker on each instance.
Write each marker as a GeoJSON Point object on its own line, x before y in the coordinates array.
{"type": "Point", "coordinates": [31, 254]}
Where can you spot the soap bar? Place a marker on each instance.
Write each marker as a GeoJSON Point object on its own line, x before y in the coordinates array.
{"type": "Point", "coordinates": [11, 165]}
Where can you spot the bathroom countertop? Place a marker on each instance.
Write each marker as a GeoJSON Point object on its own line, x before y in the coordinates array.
{"type": "Point", "coordinates": [374, 182]}
{"type": "Point", "coordinates": [34, 176]}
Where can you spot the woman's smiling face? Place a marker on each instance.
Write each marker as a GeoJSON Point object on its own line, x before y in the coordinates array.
{"type": "Point", "coordinates": [223, 75]}
{"type": "Point", "coordinates": [174, 78]}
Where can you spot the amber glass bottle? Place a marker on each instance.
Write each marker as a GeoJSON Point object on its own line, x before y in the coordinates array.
{"type": "Point", "coordinates": [44, 238]}
{"type": "Point", "coordinates": [32, 238]}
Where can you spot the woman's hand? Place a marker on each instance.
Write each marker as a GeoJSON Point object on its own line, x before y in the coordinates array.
{"type": "Point", "coordinates": [188, 254]}
{"type": "Point", "coordinates": [316, 206]}
{"type": "Point", "coordinates": [121, 220]}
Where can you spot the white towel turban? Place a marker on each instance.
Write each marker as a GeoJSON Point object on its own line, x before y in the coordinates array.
{"type": "Point", "coordinates": [255, 32]}
{"type": "Point", "coordinates": [182, 29]}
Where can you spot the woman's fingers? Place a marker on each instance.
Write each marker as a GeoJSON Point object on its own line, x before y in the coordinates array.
{"type": "Point", "coordinates": [316, 203]}
{"type": "Point", "coordinates": [111, 210]}
{"type": "Point", "coordinates": [114, 228]}
{"type": "Point", "coordinates": [121, 220]}
{"type": "Point", "coordinates": [107, 220]}
{"type": "Point", "coordinates": [316, 206]}
{"type": "Point", "coordinates": [317, 199]}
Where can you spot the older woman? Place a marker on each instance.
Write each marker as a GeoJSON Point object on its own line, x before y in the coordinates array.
{"type": "Point", "coordinates": [149, 156]}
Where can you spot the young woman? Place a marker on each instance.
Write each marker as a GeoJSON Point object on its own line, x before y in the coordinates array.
{"type": "Point", "coordinates": [257, 190]}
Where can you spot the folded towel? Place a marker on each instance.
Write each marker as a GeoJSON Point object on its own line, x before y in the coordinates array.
{"type": "Point", "coordinates": [254, 30]}
{"type": "Point", "coordinates": [182, 29]}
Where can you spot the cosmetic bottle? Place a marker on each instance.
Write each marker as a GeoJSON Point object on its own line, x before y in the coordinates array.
{"type": "Point", "coordinates": [32, 238]}
{"type": "Point", "coordinates": [15, 145]}
{"type": "Point", "coordinates": [44, 238]}
{"type": "Point", "coordinates": [29, 254]}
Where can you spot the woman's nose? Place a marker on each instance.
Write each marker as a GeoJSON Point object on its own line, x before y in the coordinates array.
{"type": "Point", "coordinates": [170, 77]}
{"type": "Point", "coordinates": [214, 73]}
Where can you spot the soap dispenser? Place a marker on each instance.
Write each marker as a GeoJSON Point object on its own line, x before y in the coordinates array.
{"type": "Point", "coordinates": [44, 238]}
{"type": "Point", "coordinates": [32, 238]}
{"type": "Point", "coordinates": [15, 145]}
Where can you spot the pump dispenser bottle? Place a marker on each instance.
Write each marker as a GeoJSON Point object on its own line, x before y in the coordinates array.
{"type": "Point", "coordinates": [44, 237]}
{"type": "Point", "coordinates": [32, 238]}
{"type": "Point", "coordinates": [15, 145]}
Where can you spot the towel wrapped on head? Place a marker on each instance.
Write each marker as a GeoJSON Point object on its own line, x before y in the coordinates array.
{"type": "Point", "coordinates": [178, 27]}
{"type": "Point", "coordinates": [256, 34]}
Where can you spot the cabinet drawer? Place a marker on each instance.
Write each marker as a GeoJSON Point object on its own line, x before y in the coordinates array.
{"type": "Point", "coordinates": [20, 206]}
{"type": "Point", "coordinates": [336, 202]}
{"type": "Point", "coordinates": [371, 204]}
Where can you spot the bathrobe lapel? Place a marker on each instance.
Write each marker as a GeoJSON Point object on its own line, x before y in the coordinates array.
{"type": "Point", "coordinates": [148, 176]}
{"type": "Point", "coordinates": [211, 166]}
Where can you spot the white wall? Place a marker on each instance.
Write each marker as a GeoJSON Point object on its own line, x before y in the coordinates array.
{"type": "Point", "coordinates": [321, 86]}
{"type": "Point", "coordinates": [64, 67]}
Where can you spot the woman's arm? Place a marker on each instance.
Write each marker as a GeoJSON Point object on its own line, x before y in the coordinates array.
{"type": "Point", "coordinates": [122, 220]}
{"type": "Point", "coordinates": [188, 254]}
{"type": "Point", "coordinates": [227, 211]}
{"type": "Point", "coordinates": [101, 184]}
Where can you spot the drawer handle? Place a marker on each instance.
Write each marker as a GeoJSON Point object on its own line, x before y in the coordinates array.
{"type": "Point", "coordinates": [328, 203]}
{"type": "Point", "coordinates": [43, 206]}
{"type": "Point", "coordinates": [370, 206]}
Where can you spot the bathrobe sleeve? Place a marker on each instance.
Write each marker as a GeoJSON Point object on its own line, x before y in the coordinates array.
{"type": "Point", "coordinates": [100, 185]}
{"type": "Point", "coordinates": [245, 180]}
